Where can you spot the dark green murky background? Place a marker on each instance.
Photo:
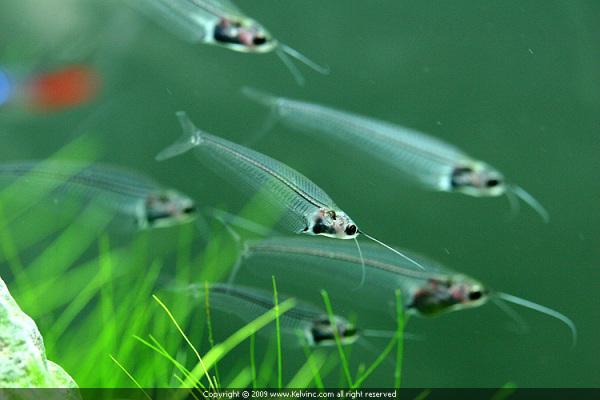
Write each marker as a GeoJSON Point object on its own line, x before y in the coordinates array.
{"type": "Point", "coordinates": [514, 83]}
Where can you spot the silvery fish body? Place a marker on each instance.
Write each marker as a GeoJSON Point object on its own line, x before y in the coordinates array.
{"type": "Point", "coordinates": [425, 291]}
{"type": "Point", "coordinates": [428, 292]}
{"type": "Point", "coordinates": [121, 191]}
{"type": "Point", "coordinates": [303, 319]}
{"type": "Point", "coordinates": [216, 22]}
{"type": "Point", "coordinates": [419, 157]}
{"type": "Point", "coordinates": [432, 162]}
{"type": "Point", "coordinates": [306, 208]}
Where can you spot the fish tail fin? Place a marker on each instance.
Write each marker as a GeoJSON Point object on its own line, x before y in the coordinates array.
{"type": "Point", "coordinates": [259, 96]}
{"type": "Point", "coordinates": [191, 138]}
{"type": "Point", "coordinates": [272, 102]}
{"type": "Point", "coordinates": [64, 88]}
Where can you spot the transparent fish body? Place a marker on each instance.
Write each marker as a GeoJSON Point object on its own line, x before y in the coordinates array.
{"type": "Point", "coordinates": [246, 303]}
{"type": "Point", "coordinates": [434, 164]}
{"type": "Point", "coordinates": [306, 208]}
{"type": "Point", "coordinates": [210, 22]}
{"type": "Point", "coordinates": [384, 271]}
{"type": "Point", "coordinates": [220, 23]}
{"type": "Point", "coordinates": [427, 292]}
{"type": "Point", "coordinates": [123, 192]}
{"type": "Point", "coordinates": [416, 155]}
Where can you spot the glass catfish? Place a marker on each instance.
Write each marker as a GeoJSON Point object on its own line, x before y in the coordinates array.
{"type": "Point", "coordinates": [429, 161]}
{"type": "Point", "coordinates": [221, 23]}
{"type": "Point", "coordinates": [121, 191]}
{"type": "Point", "coordinates": [307, 209]}
{"type": "Point", "coordinates": [426, 292]}
{"type": "Point", "coordinates": [304, 320]}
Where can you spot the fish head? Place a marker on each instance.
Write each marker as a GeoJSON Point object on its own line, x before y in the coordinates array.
{"type": "Point", "coordinates": [322, 332]}
{"type": "Point", "coordinates": [457, 292]}
{"type": "Point", "coordinates": [167, 208]}
{"type": "Point", "coordinates": [332, 223]}
{"type": "Point", "coordinates": [243, 35]}
{"type": "Point", "coordinates": [477, 179]}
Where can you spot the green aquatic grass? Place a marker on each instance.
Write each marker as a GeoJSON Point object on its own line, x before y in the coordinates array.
{"type": "Point", "coordinates": [338, 342]}
{"type": "Point", "coordinates": [277, 336]}
{"type": "Point", "coordinates": [222, 349]}
{"type": "Point", "coordinates": [110, 310]}
{"type": "Point", "coordinates": [316, 372]}
{"type": "Point", "coordinates": [189, 343]}
{"type": "Point", "coordinates": [306, 374]}
{"type": "Point", "coordinates": [102, 290]}
{"type": "Point", "coordinates": [253, 360]}
{"type": "Point", "coordinates": [10, 250]}
{"type": "Point", "coordinates": [399, 339]}
{"type": "Point", "coordinates": [211, 339]}
{"type": "Point", "coordinates": [505, 391]}
{"type": "Point", "coordinates": [130, 376]}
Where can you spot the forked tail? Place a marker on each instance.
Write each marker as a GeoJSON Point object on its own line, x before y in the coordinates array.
{"type": "Point", "coordinates": [268, 100]}
{"type": "Point", "coordinates": [191, 138]}
{"type": "Point", "coordinates": [378, 333]}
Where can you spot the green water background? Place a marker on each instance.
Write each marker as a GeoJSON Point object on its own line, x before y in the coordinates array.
{"type": "Point", "coordinates": [516, 84]}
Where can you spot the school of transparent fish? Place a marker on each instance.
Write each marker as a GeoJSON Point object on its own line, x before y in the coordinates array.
{"type": "Point", "coordinates": [302, 231]}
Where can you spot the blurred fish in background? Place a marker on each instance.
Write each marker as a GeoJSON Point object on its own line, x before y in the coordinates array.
{"type": "Point", "coordinates": [221, 23]}
{"type": "Point", "coordinates": [51, 90]}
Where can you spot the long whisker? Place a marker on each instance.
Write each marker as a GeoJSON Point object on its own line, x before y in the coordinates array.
{"type": "Point", "coordinates": [238, 241]}
{"type": "Point", "coordinates": [234, 271]}
{"type": "Point", "coordinates": [532, 202]}
{"type": "Point", "coordinates": [227, 218]}
{"type": "Point", "coordinates": [371, 348]}
{"type": "Point", "coordinates": [303, 59]}
{"type": "Point", "coordinates": [265, 128]}
{"type": "Point", "coordinates": [364, 343]}
{"type": "Point", "coordinates": [542, 309]}
{"type": "Point", "coordinates": [512, 314]}
{"type": "Point", "coordinates": [362, 261]}
{"type": "Point", "coordinates": [201, 226]}
{"type": "Point", "coordinates": [389, 334]}
{"type": "Point", "coordinates": [378, 333]}
{"type": "Point", "coordinates": [298, 77]}
{"type": "Point", "coordinates": [393, 250]}
{"type": "Point", "coordinates": [513, 202]}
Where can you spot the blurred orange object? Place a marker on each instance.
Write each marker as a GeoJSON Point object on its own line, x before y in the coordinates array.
{"type": "Point", "coordinates": [64, 88]}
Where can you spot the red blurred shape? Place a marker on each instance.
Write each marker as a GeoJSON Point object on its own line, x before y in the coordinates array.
{"type": "Point", "coordinates": [64, 88]}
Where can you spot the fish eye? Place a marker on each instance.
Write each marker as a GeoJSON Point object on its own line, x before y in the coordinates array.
{"type": "Point", "coordinates": [189, 210]}
{"type": "Point", "coordinates": [475, 295]}
{"type": "Point", "coordinates": [350, 230]}
{"type": "Point", "coordinates": [492, 183]}
{"type": "Point", "coordinates": [258, 40]}
{"type": "Point", "coordinates": [349, 331]}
